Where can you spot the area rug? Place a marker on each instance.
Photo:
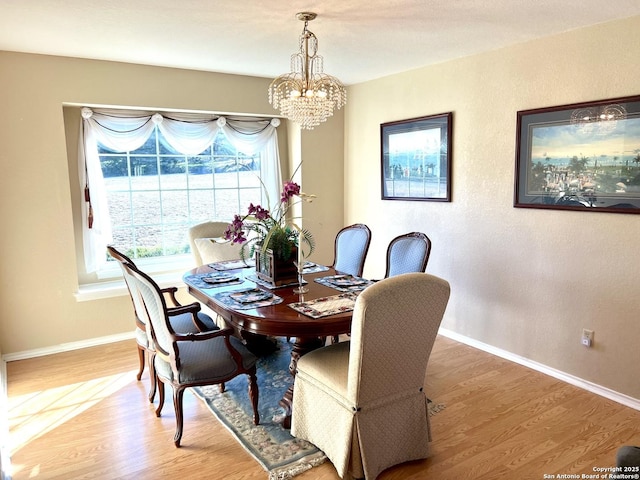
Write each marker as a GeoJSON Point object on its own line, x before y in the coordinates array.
{"type": "Point", "coordinates": [273, 447]}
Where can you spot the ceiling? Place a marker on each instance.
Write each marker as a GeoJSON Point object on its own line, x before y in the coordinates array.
{"type": "Point", "coordinates": [359, 39]}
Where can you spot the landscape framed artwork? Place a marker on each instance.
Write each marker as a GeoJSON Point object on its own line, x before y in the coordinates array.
{"type": "Point", "coordinates": [583, 156]}
{"type": "Point", "coordinates": [416, 158]}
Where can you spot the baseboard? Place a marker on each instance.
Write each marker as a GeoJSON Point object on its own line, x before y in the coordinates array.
{"type": "Point", "coordinates": [67, 347]}
{"type": "Point", "coordinates": [5, 460]}
{"type": "Point", "coordinates": [565, 377]}
{"type": "Point", "coordinates": [4, 424]}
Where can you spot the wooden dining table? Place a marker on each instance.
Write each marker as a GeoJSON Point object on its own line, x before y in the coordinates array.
{"type": "Point", "coordinates": [279, 320]}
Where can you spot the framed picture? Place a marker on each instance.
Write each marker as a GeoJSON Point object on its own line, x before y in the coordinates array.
{"type": "Point", "coordinates": [583, 156]}
{"type": "Point", "coordinates": [416, 159]}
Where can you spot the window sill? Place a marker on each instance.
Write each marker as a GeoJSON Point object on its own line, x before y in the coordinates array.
{"type": "Point", "coordinates": [117, 288]}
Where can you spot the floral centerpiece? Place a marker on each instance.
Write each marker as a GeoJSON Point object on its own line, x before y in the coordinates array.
{"type": "Point", "coordinates": [262, 230]}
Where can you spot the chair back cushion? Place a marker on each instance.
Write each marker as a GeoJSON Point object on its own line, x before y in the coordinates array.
{"type": "Point", "coordinates": [138, 307]}
{"type": "Point", "coordinates": [395, 323]}
{"type": "Point", "coordinates": [213, 250]}
{"type": "Point", "coordinates": [352, 244]}
{"type": "Point", "coordinates": [154, 308]}
{"type": "Point", "coordinates": [408, 253]}
{"type": "Point", "coordinates": [205, 230]}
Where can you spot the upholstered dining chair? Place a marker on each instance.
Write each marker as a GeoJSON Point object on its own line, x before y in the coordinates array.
{"type": "Point", "coordinates": [208, 244]}
{"type": "Point", "coordinates": [408, 253]}
{"type": "Point", "coordinates": [183, 318]}
{"type": "Point", "coordinates": [351, 247]}
{"type": "Point", "coordinates": [191, 359]}
{"type": "Point", "coordinates": [362, 401]}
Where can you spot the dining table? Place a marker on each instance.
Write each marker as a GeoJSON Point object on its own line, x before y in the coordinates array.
{"type": "Point", "coordinates": [250, 305]}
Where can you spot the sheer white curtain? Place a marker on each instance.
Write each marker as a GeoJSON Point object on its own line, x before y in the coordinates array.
{"type": "Point", "coordinates": [188, 134]}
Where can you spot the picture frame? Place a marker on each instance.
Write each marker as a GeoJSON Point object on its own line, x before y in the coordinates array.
{"type": "Point", "coordinates": [581, 156]}
{"type": "Point", "coordinates": [416, 158]}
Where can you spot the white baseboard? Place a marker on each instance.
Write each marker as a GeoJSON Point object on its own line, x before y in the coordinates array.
{"type": "Point", "coordinates": [67, 347]}
{"type": "Point", "coordinates": [4, 424]}
{"type": "Point", "coordinates": [565, 377]}
{"type": "Point", "coordinates": [5, 460]}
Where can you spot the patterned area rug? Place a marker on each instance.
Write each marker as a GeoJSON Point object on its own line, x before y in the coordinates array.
{"type": "Point", "coordinates": [280, 454]}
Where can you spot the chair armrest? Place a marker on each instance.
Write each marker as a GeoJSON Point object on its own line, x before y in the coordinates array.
{"type": "Point", "coordinates": [171, 293]}
{"type": "Point", "coordinates": [195, 337]}
{"type": "Point", "coordinates": [193, 309]}
{"type": "Point", "coordinates": [226, 333]}
{"type": "Point", "coordinates": [179, 310]}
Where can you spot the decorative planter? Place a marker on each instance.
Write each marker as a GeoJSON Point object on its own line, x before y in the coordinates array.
{"type": "Point", "coordinates": [275, 270]}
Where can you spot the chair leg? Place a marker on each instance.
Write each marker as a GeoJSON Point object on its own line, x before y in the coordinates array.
{"type": "Point", "coordinates": [222, 387]}
{"type": "Point", "coordinates": [142, 359]}
{"type": "Point", "coordinates": [178, 393]}
{"type": "Point", "coordinates": [254, 394]}
{"type": "Point", "coordinates": [160, 396]}
{"type": "Point", "coordinates": [153, 377]}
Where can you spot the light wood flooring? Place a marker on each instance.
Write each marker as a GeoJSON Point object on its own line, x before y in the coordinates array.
{"type": "Point", "coordinates": [82, 414]}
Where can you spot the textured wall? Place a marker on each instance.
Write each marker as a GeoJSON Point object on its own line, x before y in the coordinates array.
{"type": "Point", "coordinates": [522, 280]}
{"type": "Point", "coordinates": [38, 272]}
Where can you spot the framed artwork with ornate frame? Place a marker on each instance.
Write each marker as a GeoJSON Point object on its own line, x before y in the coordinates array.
{"type": "Point", "coordinates": [416, 158]}
{"type": "Point", "coordinates": [583, 156]}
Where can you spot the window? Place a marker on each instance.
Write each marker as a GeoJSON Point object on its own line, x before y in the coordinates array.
{"type": "Point", "coordinates": [149, 176]}
{"type": "Point", "coordinates": [155, 193]}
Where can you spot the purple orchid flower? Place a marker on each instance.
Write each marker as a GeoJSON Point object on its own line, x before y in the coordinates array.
{"type": "Point", "coordinates": [289, 190]}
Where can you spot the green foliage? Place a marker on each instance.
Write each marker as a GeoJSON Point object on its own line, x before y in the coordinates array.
{"type": "Point", "coordinates": [279, 238]}
{"type": "Point", "coordinates": [151, 252]}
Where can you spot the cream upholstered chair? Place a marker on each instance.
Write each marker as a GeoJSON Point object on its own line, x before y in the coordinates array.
{"type": "Point", "coordinates": [183, 318]}
{"type": "Point", "coordinates": [408, 253]}
{"type": "Point", "coordinates": [191, 359]}
{"type": "Point", "coordinates": [362, 401]}
{"type": "Point", "coordinates": [208, 244]}
{"type": "Point", "coordinates": [351, 247]}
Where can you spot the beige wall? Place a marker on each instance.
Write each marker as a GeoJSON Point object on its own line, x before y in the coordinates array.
{"type": "Point", "coordinates": [38, 272]}
{"type": "Point", "coordinates": [525, 281]}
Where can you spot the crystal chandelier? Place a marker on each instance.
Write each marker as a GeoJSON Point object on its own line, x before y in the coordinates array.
{"type": "Point", "coordinates": [306, 95]}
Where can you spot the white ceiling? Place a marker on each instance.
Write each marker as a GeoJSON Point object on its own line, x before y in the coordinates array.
{"type": "Point", "coordinates": [359, 39]}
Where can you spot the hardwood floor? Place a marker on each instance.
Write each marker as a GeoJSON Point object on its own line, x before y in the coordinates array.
{"type": "Point", "coordinates": [82, 414]}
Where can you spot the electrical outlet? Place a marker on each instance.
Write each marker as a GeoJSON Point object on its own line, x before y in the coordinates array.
{"type": "Point", "coordinates": [587, 337]}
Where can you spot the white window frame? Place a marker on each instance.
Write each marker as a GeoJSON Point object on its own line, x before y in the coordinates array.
{"type": "Point", "coordinates": [188, 133]}
{"type": "Point", "coordinates": [226, 200]}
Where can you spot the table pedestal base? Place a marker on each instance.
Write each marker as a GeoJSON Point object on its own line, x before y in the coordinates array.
{"type": "Point", "coordinates": [302, 346]}
{"type": "Point", "coordinates": [259, 345]}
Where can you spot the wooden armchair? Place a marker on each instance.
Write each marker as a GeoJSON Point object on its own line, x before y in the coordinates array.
{"type": "Point", "coordinates": [191, 359]}
{"type": "Point", "coordinates": [183, 318]}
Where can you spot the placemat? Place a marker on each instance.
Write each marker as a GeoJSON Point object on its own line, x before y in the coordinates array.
{"type": "Point", "coordinates": [239, 299]}
{"type": "Point", "coordinates": [211, 280]}
{"type": "Point", "coordinates": [310, 267]}
{"type": "Point", "coordinates": [345, 283]}
{"type": "Point", "coordinates": [325, 306]}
